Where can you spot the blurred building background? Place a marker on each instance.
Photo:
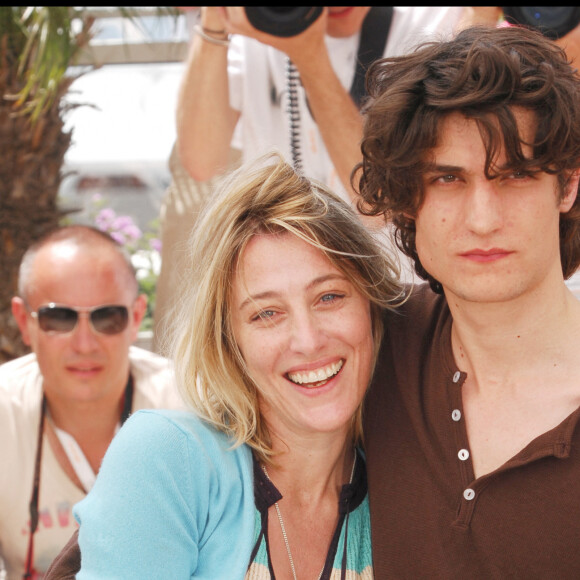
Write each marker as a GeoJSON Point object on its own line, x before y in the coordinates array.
{"type": "Point", "coordinates": [123, 115]}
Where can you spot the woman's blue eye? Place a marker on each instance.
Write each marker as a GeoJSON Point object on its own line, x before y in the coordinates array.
{"type": "Point", "coordinates": [264, 315]}
{"type": "Point", "coordinates": [331, 297]}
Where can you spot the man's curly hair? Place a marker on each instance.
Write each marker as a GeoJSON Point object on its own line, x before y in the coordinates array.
{"type": "Point", "coordinates": [483, 73]}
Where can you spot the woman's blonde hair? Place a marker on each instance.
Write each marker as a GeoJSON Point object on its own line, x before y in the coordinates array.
{"type": "Point", "coordinates": [266, 196]}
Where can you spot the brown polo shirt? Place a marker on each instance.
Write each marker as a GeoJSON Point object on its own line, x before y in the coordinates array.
{"type": "Point", "coordinates": [430, 517]}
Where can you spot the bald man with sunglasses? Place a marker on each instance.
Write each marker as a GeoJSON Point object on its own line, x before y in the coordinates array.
{"type": "Point", "coordinates": [79, 310]}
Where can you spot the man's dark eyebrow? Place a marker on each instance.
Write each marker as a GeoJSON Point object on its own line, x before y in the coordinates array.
{"type": "Point", "coordinates": [434, 168]}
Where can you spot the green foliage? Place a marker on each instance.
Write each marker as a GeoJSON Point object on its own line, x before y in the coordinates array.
{"type": "Point", "coordinates": [45, 40]}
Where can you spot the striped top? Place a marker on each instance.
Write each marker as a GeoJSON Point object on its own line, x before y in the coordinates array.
{"type": "Point", "coordinates": [349, 556]}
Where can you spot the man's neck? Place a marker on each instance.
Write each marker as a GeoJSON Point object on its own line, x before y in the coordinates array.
{"type": "Point", "coordinates": [523, 371]}
{"type": "Point", "coordinates": [506, 336]}
{"type": "Point", "coordinates": [91, 423]}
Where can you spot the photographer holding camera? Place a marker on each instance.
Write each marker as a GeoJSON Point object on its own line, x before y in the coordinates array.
{"type": "Point", "coordinates": [239, 75]}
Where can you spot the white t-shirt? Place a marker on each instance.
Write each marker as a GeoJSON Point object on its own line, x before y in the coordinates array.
{"type": "Point", "coordinates": [20, 401]}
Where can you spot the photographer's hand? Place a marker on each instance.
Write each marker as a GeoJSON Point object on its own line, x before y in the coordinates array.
{"type": "Point", "coordinates": [299, 48]}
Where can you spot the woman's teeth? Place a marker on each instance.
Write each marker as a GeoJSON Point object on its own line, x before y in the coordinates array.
{"type": "Point", "coordinates": [312, 378]}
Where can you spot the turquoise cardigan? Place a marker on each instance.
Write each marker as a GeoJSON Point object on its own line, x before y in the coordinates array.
{"type": "Point", "coordinates": [172, 500]}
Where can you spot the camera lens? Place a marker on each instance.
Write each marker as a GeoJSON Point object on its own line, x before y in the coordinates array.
{"type": "Point", "coordinates": [552, 21]}
{"type": "Point", "coordinates": [282, 20]}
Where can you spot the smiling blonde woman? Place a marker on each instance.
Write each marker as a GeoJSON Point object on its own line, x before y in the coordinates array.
{"type": "Point", "coordinates": [279, 326]}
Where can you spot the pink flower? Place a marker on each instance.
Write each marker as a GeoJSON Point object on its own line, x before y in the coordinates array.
{"type": "Point", "coordinates": [118, 237]}
{"type": "Point", "coordinates": [156, 244]}
{"type": "Point", "coordinates": [132, 232]}
{"type": "Point", "coordinates": [105, 218]}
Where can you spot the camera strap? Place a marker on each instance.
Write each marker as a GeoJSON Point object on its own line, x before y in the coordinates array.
{"type": "Point", "coordinates": [127, 405]}
{"type": "Point", "coordinates": [372, 43]}
{"type": "Point", "coordinates": [373, 40]}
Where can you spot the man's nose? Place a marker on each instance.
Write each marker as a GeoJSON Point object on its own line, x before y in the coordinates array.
{"type": "Point", "coordinates": [83, 336]}
{"type": "Point", "coordinates": [483, 207]}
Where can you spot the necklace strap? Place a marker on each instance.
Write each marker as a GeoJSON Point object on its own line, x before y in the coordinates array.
{"type": "Point", "coordinates": [127, 399]}
{"type": "Point", "coordinates": [285, 535]}
{"type": "Point", "coordinates": [33, 504]}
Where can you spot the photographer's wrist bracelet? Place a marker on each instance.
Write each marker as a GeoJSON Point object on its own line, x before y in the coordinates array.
{"type": "Point", "coordinates": [203, 33]}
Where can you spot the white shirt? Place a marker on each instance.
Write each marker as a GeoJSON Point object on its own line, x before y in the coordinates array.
{"type": "Point", "coordinates": [20, 402]}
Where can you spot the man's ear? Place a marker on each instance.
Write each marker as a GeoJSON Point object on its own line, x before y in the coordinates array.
{"type": "Point", "coordinates": [139, 310]}
{"type": "Point", "coordinates": [570, 192]}
{"type": "Point", "coordinates": [20, 314]}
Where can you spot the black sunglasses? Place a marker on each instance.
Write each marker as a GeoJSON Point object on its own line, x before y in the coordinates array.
{"type": "Point", "coordinates": [110, 319]}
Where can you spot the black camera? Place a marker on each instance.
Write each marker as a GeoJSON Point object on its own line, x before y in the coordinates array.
{"type": "Point", "coordinates": [552, 21]}
{"type": "Point", "coordinates": [281, 20]}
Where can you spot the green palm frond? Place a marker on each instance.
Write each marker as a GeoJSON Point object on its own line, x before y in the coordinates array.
{"type": "Point", "coordinates": [45, 41]}
{"type": "Point", "coordinates": [51, 47]}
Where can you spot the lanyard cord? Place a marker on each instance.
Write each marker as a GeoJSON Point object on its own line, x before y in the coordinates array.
{"type": "Point", "coordinates": [127, 400]}
{"type": "Point", "coordinates": [373, 40]}
{"type": "Point", "coordinates": [33, 505]}
{"type": "Point", "coordinates": [292, 82]}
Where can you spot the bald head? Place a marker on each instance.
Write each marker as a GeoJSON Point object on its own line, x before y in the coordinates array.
{"type": "Point", "coordinates": [74, 244]}
{"type": "Point", "coordinates": [81, 269]}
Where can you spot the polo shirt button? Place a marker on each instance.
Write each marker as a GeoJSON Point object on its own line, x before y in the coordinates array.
{"type": "Point", "coordinates": [463, 454]}
{"type": "Point", "coordinates": [456, 414]}
{"type": "Point", "coordinates": [468, 494]}
{"type": "Point", "coordinates": [456, 377]}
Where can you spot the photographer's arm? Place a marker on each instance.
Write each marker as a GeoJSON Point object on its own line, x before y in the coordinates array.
{"type": "Point", "coordinates": [334, 111]}
{"type": "Point", "coordinates": [337, 116]}
{"type": "Point", "coordinates": [205, 120]}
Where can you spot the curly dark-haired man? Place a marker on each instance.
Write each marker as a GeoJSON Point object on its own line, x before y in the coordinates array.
{"type": "Point", "coordinates": [472, 148]}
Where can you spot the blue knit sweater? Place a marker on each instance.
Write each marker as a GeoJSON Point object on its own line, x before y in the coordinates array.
{"type": "Point", "coordinates": [172, 500]}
